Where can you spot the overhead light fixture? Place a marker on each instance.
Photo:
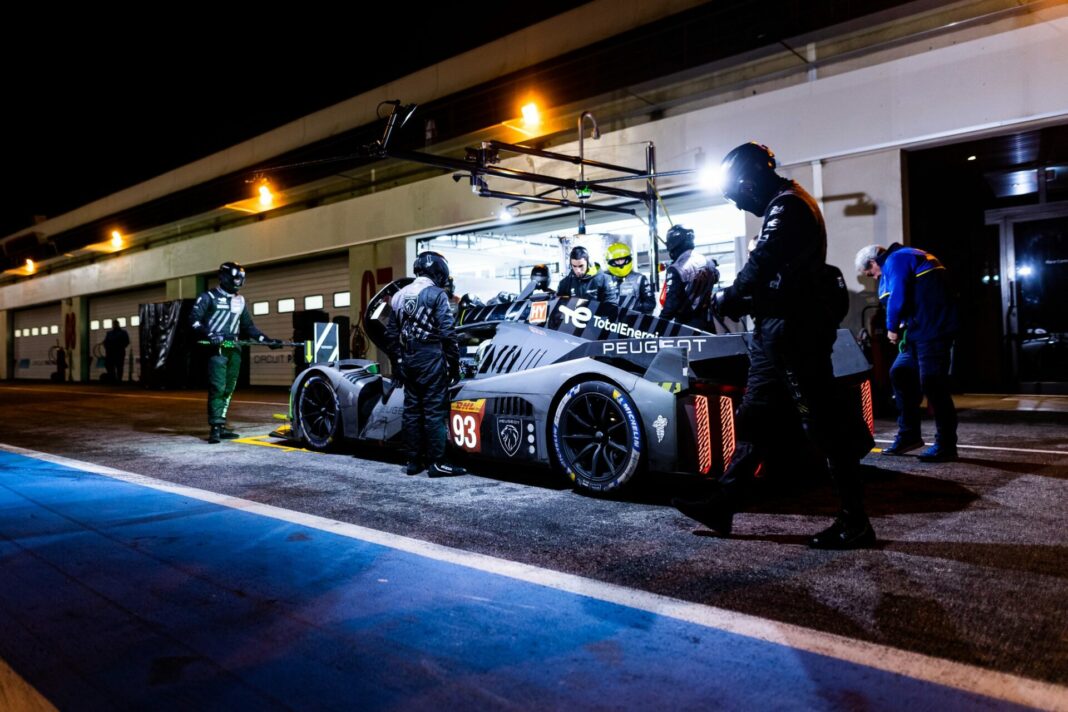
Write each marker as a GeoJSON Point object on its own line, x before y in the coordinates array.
{"type": "Point", "coordinates": [267, 197]}
{"type": "Point", "coordinates": [532, 120]}
{"type": "Point", "coordinates": [116, 239]}
{"type": "Point", "coordinates": [508, 213]}
{"type": "Point", "coordinates": [709, 175]}
{"type": "Point", "coordinates": [710, 178]}
{"type": "Point", "coordinates": [30, 267]}
{"type": "Point", "coordinates": [971, 158]}
{"type": "Point", "coordinates": [531, 115]}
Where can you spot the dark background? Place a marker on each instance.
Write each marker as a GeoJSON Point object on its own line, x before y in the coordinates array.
{"type": "Point", "coordinates": [91, 108]}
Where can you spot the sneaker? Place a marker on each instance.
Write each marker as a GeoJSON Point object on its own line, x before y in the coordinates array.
{"type": "Point", "coordinates": [712, 512]}
{"type": "Point", "coordinates": [215, 435]}
{"type": "Point", "coordinates": [939, 453]}
{"type": "Point", "coordinates": [851, 533]}
{"type": "Point", "coordinates": [903, 444]}
{"type": "Point", "coordinates": [442, 469]}
{"type": "Point", "coordinates": [414, 467]}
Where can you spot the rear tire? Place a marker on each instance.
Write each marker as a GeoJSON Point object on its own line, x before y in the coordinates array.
{"type": "Point", "coordinates": [597, 436]}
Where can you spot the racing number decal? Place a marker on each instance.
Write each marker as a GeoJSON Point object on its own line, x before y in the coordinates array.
{"type": "Point", "coordinates": [465, 424]}
{"type": "Point", "coordinates": [464, 431]}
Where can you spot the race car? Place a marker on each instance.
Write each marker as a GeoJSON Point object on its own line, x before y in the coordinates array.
{"type": "Point", "coordinates": [598, 393]}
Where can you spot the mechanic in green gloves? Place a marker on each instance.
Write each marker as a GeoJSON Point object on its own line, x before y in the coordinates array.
{"type": "Point", "coordinates": [220, 317]}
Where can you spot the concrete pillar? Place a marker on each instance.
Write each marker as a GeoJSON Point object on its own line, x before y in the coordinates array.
{"type": "Point", "coordinates": [7, 345]}
{"type": "Point", "coordinates": [371, 267]}
{"type": "Point", "coordinates": [77, 348]}
{"type": "Point", "coordinates": [185, 287]}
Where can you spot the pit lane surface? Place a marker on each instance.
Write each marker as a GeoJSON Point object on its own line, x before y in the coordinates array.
{"type": "Point", "coordinates": [971, 564]}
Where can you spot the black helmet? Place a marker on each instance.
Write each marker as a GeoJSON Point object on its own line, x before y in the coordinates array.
{"type": "Point", "coordinates": [231, 276]}
{"type": "Point", "coordinates": [679, 239]}
{"type": "Point", "coordinates": [432, 265]}
{"type": "Point", "coordinates": [539, 274]}
{"type": "Point", "coordinates": [749, 178]}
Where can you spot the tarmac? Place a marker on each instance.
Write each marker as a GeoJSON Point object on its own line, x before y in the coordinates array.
{"type": "Point", "coordinates": [963, 602]}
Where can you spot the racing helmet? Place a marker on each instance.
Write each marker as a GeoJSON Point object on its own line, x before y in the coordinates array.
{"type": "Point", "coordinates": [749, 177]}
{"type": "Point", "coordinates": [432, 265]}
{"type": "Point", "coordinates": [679, 239]}
{"type": "Point", "coordinates": [618, 257]}
{"type": "Point", "coordinates": [539, 274]}
{"type": "Point", "coordinates": [231, 276]}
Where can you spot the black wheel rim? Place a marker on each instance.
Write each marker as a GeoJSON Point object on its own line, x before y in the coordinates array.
{"type": "Point", "coordinates": [594, 437]}
{"type": "Point", "coordinates": [318, 411]}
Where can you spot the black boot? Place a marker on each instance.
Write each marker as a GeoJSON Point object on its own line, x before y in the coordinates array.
{"type": "Point", "coordinates": [442, 469]}
{"type": "Point", "coordinates": [414, 467]}
{"type": "Point", "coordinates": [714, 512]}
{"type": "Point", "coordinates": [849, 531]}
{"type": "Point", "coordinates": [227, 434]}
{"type": "Point", "coordinates": [215, 435]}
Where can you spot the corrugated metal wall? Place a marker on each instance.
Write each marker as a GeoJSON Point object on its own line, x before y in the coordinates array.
{"type": "Point", "coordinates": [123, 307]}
{"type": "Point", "coordinates": [37, 331]}
{"type": "Point", "coordinates": [323, 278]}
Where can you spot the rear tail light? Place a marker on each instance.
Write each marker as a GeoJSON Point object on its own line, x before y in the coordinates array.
{"type": "Point", "coordinates": [865, 400]}
{"type": "Point", "coordinates": [726, 428]}
{"type": "Point", "coordinates": [704, 435]}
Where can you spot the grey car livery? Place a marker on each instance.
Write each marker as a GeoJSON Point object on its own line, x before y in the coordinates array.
{"type": "Point", "coordinates": [599, 393]}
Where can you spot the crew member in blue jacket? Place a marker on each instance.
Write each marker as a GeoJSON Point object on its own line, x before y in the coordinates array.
{"type": "Point", "coordinates": [921, 320]}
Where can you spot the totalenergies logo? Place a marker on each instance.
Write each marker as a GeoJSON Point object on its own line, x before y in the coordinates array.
{"type": "Point", "coordinates": [578, 318]}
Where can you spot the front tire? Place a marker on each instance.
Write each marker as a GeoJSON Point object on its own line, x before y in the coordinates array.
{"type": "Point", "coordinates": [597, 436]}
{"type": "Point", "coordinates": [318, 413]}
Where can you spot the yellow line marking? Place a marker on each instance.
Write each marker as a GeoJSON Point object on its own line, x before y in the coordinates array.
{"type": "Point", "coordinates": [259, 440]}
{"type": "Point", "coordinates": [17, 694]}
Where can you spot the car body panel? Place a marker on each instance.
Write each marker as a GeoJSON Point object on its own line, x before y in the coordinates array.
{"type": "Point", "coordinates": [681, 383]}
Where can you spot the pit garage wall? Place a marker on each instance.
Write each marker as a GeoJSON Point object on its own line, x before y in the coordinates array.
{"type": "Point", "coordinates": [35, 355]}
{"type": "Point", "coordinates": [838, 134]}
{"type": "Point", "coordinates": [113, 306]}
{"type": "Point", "coordinates": [323, 277]}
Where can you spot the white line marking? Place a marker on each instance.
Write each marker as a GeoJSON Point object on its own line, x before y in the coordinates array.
{"type": "Point", "coordinates": [968, 678]}
{"type": "Point", "coordinates": [97, 394]}
{"type": "Point", "coordinates": [1002, 449]}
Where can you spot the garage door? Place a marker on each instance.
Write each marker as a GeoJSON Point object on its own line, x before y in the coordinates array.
{"type": "Point", "coordinates": [274, 293]}
{"type": "Point", "coordinates": [121, 308]}
{"type": "Point", "coordinates": [38, 335]}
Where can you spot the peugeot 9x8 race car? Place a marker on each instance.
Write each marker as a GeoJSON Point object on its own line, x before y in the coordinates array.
{"type": "Point", "coordinates": [598, 393]}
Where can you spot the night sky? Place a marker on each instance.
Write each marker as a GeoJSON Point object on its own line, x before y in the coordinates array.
{"type": "Point", "coordinates": [91, 108]}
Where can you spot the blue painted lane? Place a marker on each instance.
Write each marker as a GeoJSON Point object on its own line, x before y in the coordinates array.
{"type": "Point", "coordinates": [115, 595]}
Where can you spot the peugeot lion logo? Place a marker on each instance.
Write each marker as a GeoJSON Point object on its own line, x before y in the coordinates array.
{"type": "Point", "coordinates": [508, 430]}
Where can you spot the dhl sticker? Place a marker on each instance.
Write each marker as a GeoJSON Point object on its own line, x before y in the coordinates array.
{"type": "Point", "coordinates": [468, 406]}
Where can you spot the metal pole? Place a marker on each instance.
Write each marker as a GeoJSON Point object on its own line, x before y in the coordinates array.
{"type": "Point", "coordinates": [582, 166]}
{"type": "Point", "coordinates": [582, 179]}
{"type": "Point", "coordinates": [650, 202]}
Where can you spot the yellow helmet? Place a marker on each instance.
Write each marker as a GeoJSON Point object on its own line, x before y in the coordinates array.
{"type": "Point", "coordinates": [619, 260]}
